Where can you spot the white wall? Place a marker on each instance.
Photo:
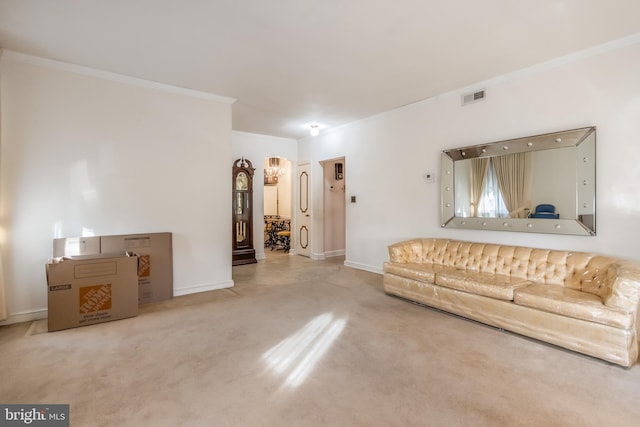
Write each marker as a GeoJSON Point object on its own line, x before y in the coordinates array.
{"type": "Point", "coordinates": [388, 153]}
{"type": "Point", "coordinates": [86, 152]}
{"type": "Point", "coordinates": [285, 189]}
{"type": "Point", "coordinates": [270, 200]}
{"type": "Point", "coordinates": [256, 147]}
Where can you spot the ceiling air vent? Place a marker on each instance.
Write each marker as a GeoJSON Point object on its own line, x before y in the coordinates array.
{"type": "Point", "coordinates": [473, 97]}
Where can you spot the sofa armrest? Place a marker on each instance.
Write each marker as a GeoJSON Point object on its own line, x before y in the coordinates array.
{"type": "Point", "coordinates": [407, 251]}
{"type": "Point", "coordinates": [624, 282]}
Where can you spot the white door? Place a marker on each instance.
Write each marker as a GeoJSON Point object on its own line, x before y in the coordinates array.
{"type": "Point", "coordinates": [303, 212]}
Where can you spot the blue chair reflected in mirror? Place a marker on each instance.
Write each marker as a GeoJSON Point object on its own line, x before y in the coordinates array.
{"type": "Point", "coordinates": [545, 211]}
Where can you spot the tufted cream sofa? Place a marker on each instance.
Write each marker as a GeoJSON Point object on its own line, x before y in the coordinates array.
{"type": "Point", "coordinates": [581, 301]}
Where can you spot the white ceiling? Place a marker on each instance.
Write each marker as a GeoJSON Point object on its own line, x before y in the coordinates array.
{"type": "Point", "coordinates": [290, 63]}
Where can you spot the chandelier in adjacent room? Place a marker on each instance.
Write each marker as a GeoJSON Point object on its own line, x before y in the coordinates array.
{"type": "Point", "coordinates": [273, 171]}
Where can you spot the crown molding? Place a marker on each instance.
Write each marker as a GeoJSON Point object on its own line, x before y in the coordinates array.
{"type": "Point", "coordinates": [263, 136]}
{"type": "Point", "coordinates": [570, 58]}
{"type": "Point", "coordinates": [9, 55]}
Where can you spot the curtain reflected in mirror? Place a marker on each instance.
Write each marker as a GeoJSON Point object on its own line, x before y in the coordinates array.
{"type": "Point", "coordinates": [513, 173]}
{"type": "Point", "coordinates": [478, 192]}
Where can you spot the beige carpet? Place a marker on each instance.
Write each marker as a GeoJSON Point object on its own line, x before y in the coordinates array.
{"type": "Point", "coordinates": [305, 343]}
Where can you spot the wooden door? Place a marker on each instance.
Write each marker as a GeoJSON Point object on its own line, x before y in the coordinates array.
{"type": "Point", "coordinates": [303, 211]}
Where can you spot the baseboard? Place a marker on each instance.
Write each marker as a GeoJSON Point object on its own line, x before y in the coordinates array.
{"type": "Point", "coordinates": [365, 267]}
{"type": "Point", "coordinates": [29, 316]}
{"type": "Point", "coordinates": [331, 254]}
{"type": "Point", "coordinates": [202, 288]}
{"type": "Point", "coordinates": [25, 316]}
{"type": "Point", "coordinates": [317, 257]}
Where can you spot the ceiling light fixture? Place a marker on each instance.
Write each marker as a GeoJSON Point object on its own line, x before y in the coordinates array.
{"type": "Point", "coordinates": [315, 130]}
{"type": "Point", "coordinates": [273, 171]}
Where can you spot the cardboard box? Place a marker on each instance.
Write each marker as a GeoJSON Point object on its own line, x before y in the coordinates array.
{"type": "Point", "coordinates": [155, 250]}
{"type": "Point", "coordinates": [91, 289]}
{"type": "Point", "coordinates": [74, 246]}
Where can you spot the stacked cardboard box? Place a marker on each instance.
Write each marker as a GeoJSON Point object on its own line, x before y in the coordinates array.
{"type": "Point", "coordinates": [155, 281]}
{"type": "Point", "coordinates": [155, 251]}
{"type": "Point", "coordinates": [89, 289]}
{"type": "Point", "coordinates": [74, 246]}
{"type": "Point", "coordinates": [102, 278]}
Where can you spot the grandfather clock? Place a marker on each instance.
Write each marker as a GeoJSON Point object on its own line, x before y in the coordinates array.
{"type": "Point", "coordinates": [242, 203]}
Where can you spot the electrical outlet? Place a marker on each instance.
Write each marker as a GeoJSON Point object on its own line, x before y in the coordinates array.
{"type": "Point", "coordinates": [353, 199]}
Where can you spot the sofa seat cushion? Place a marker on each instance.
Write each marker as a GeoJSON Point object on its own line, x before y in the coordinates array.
{"type": "Point", "coordinates": [485, 284]}
{"type": "Point", "coordinates": [572, 303]}
{"type": "Point", "coordinates": [415, 271]}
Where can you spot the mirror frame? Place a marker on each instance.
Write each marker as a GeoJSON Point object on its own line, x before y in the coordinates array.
{"type": "Point", "coordinates": [585, 222]}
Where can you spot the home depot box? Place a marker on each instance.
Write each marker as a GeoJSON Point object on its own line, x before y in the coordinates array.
{"type": "Point", "coordinates": [73, 246]}
{"type": "Point", "coordinates": [155, 250]}
{"type": "Point", "coordinates": [90, 289]}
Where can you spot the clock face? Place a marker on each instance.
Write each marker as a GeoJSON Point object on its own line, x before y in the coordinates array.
{"type": "Point", "coordinates": [242, 182]}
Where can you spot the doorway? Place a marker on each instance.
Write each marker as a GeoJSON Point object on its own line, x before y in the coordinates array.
{"type": "Point", "coordinates": [334, 202]}
{"type": "Point", "coordinates": [278, 206]}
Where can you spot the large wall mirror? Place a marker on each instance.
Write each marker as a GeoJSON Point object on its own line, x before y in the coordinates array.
{"type": "Point", "coordinates": [540, 184]}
